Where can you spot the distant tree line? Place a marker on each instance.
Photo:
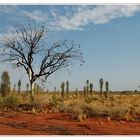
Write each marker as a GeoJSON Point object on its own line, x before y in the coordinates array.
{"type": "Point", "coordinates": [88, 88]}
{"type": "Point", "coordinates": [5, 87]}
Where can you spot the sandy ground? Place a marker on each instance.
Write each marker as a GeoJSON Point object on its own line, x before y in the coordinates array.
{"type": "Point", "coordinates": [62, 124]}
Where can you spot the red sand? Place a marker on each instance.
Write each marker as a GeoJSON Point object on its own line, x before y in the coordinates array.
{"type": "Point", "coordinates": [62, 124]}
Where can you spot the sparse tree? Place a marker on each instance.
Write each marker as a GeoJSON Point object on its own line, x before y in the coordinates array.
{"type": "Point", "coordinates": [67, 87]}
{"type": "Point", "coordinates": [5, 83]}
{"type": "Point", "coordinates": [19, 86]}
{"type": "Point", "coordinates": [107, 88]}
{"type": "Point", "coordinates": [26, 48]}
{"type": "Point", "coordinates": [101, 82]}
{"type": "Point", "coordinates": [62, 89]}
{"type": "Point", "coordinates": [87, 82]}
{"type": "Point", "coordinates": [91, 87]}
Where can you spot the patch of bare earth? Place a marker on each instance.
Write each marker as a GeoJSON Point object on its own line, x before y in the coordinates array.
{"type": "Point", "coordinates": [62, 124]}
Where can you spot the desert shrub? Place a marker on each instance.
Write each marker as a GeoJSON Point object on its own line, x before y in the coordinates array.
{"type": "Point", "coordinates": [109, 108]}
{"type": "Point", "coordinates": [75, 107]}
{"type": "Point", "coordinates": [118, 112]}
{"type": "Point", "coordinates": [1, 101]}
{"type": "Point", "coordinates": [62, 107]}
{"type": "Point", "coordinates": [75, 111]}
{"type": "Point", "coordinates": [96, 109]}
{"type": "Point", "coordinates": [136, 111]}
{"type": "Point", "coordinates": [125, 107]}
{"type": "Point", "coordinates": [42, 98]}
{"type": "Point", "coordinates": [76, 102]}
{"type": "Point", "coordinates": [25, 98]}
{"type": "Point", "coordinates": [89, 111]}
{"type": "Point", "coordinates": [88, 100]}
{"type": "Point", "coordinates": [117, 106]}
{"type": "Point", "coordinates": [96, 98]}
{"type": "Point", "coordinates": [112, 98]}
{"type": "Point", "coordinates": [10, 102]}
{"type": "Point", "coordinates": [53, 104]}
{"type": "Point", "coordinates": [54, 101]}
{"type": "Point", "coordinates": [25, 107]}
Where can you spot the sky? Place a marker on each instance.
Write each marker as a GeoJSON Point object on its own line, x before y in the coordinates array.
{"type": "Point", "coordinates": [109, 36]}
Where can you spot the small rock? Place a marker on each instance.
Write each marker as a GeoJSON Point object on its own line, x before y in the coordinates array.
{"type": "Point", "coordinates": [101, 122]}
{"type": "Point", "coordinates": [122, 122]}
{"type": "Point", "coordinates": [108, 119]}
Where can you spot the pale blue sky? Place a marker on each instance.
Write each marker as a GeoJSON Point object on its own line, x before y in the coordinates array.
{"type": "Point", "coordinates": [109, 38]}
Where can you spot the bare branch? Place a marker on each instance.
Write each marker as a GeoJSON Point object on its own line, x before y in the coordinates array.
{"type": "Point", "coordinates": [24, 49]}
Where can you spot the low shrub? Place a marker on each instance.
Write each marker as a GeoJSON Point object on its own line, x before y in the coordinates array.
{"type": "Point", "coordinates": [88, 100]}
{"type": "Point", "coordinates": [25, 107]}
{"type": "Point", "coordinates": [54, 101]}
{"type": "Point", "coordinates": [75, 111]}
{"type": "Point", "coordinates": [96, 109]}
{"type": "Point", "coordinates": [75, 107]}
{"type": "Point", "coordinates": [41, 98]}
{"type": "Point", "coordinates": [62, 107]}
{"type": "Point", "coordinates": [1, 101]}
{"type": "Point", "coordinates": [125, 107]}
{"type": "Point", "coordinates": [118, 112]}
{"type": "Point", "coordinates": [10, 102]}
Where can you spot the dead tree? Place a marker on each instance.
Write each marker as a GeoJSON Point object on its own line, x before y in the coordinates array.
{"type": "Point", "coordinates": [26, 48]}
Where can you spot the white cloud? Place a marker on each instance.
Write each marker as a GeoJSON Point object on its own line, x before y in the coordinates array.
{"type": "Point", "coordinates": [83, 15]}
{"type": "Point", "coordinates": [7, 9]}
{"type": "Point", "coordinates": [35, 15]}
{"type": "Point", "coordinates": [75, 17]}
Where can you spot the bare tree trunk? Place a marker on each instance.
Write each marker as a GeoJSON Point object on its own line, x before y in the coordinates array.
{"type": "Point", "coordinates": [32, 91]}
{"type": "Point", "coordinates": [31, 86]}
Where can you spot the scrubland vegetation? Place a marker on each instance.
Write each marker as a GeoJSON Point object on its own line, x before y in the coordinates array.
{"type": "Point", "coordinates": [79, 104]}
{"type": "Point", "coordinates": [116, 106]}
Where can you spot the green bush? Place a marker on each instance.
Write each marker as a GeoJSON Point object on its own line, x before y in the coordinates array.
{"type": "Point", "coordinates": [10, 102]}
{"type": "Point", "coordinates": [1, 101]}
{"type": "Point", "coordinates": [54, 100]}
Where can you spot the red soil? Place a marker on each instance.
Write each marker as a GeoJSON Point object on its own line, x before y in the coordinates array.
{"type": "Point", "coordinates": [62, 124]}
